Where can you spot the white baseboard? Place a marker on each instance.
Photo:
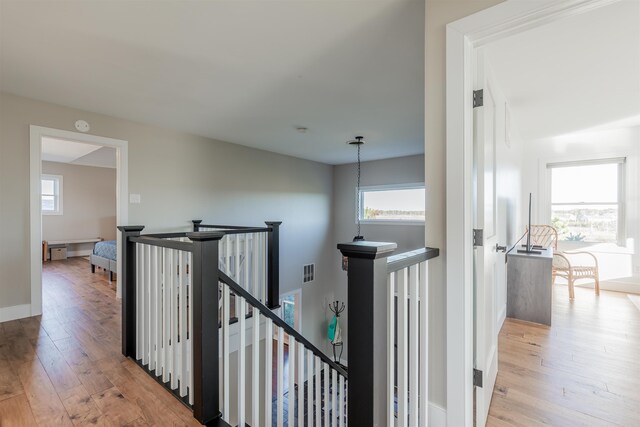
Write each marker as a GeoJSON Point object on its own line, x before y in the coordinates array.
{"type": "Point", "coordinates": [437, 416]}
{"type": "Point", "coordinates": [15, 312]}
{"type": "Point", "coordinates": [502, 315]}
{"type": "Point", "coordinates": [85, 252]}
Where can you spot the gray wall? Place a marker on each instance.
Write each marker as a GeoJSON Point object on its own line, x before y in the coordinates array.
{"type": "Point", "coordinates": [400, 170]}
{"type": "Point", "coordinates": [88, 200]}
{"type": "Point", "coordinates": [180, 177]}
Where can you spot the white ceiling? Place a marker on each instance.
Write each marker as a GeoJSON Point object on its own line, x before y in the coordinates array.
{"type": "Point", "coordinates": [247, 72]}
{"type": "Point", "coordinates": [77, 153]}
{"type": "Point", "coordinates": [575, 74]}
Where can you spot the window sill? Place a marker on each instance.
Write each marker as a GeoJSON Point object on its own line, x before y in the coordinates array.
{"type": "Point", "coordinates": [389, 222]}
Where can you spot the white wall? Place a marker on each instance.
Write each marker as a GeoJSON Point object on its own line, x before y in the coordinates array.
{"type": "Point", "coordinates": [619, 266]}
{"type": "Point", "coordinates": [402, 170]}
{"type": "Point", "coordinates": [179, 177]}
{"type": "Point", "coordinates": [89, 204]}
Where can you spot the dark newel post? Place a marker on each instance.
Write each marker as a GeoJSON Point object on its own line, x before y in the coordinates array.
{"type": "Point", "coordinates": [205, 325]}
{"type": "Point", "coordinates": [273, 263]}
{"type": "Point", "coordinates": [367, 341]}
{"type": "Point", "coordinates": [196, 224]}
{"type": "Point", "coordinates": [128, 291]}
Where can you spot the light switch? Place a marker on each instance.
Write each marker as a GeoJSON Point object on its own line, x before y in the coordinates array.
{"type": "Point", "coordinates": [135, 198]}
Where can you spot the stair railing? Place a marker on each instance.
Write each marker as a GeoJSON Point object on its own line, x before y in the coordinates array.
{"type": "Point", "coordinates": [388, 340]}
{"type": "Point", "coordinates": [251, 257]}
{"type": "Point", "coordinates": [309, 388]}
{"type": "Point", "coordinates": [174, 326]}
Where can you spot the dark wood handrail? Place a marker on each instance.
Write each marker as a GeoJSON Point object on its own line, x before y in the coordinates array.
{"type": "Point", "coordinates": [163, 243]}
{"type": "Point", "coordinates": [406, 259]}
{"type": "Point", "coordinates": [256, 304]}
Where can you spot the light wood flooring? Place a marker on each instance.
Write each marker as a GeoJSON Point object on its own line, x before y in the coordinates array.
{"type": "Point", "coordinates": [64, 368]}
{"type": "Point", "coordinates": [583, 371]}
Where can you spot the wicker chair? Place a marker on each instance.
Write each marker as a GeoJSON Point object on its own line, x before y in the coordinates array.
{"type": "Point", "coordinates": [570, 265]}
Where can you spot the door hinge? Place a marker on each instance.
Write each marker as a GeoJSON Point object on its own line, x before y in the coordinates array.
{"type": "Point", "coordinates": [477, 378]}
{"type": "Point", "coordinates": [478, 98]}
{"type": "Point", "coordinates": [478, 237]}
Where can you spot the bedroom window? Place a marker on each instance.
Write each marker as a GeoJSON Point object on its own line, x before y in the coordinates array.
{"type": "Point", "coordinates": [392, 204]}
{"type": "Point", "coordinates": [587, 200]}
{"type": "Point", "coordinates": [51, 194]}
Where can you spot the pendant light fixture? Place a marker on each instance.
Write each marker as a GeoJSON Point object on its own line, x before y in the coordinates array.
{"type": "Point", "coordinates": [358, 142]}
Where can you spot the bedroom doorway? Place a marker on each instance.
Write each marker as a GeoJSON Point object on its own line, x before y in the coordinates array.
{"type": "Point", "coordinates": [50, 195]}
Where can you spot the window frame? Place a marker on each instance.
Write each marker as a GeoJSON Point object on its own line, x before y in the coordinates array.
{"type": "Point", "coordinates": [58, 179]}
{"type": "Point", "coordinates": [621, 196]}
{"type": "Point", "coordinates": [386, 187]}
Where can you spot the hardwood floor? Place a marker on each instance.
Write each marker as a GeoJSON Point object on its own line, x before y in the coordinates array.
{"type": "Point", "coordinates": [64, 368]}
{"type": "Point", "coordinates": [583, 371]}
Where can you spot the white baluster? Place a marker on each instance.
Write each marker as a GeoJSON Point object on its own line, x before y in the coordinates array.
{"type": "Point", "coordinates": [145, 306]}
{"type": "Point", "coordinates": [225, 352]}
{"type": "Point", "coordinates": [334, 397]}
{"type": "Point", "coordinates": [264, 267]}
{"type": "Point", "coordinates": [318, 396]}
{"type": "Point", "coordinates": [280, 373]}
{"type": "Point", "coordinates": [241, 362]}
{"type": "Point", "coordinates": [183, 324]}
{"type": "Point", "coordinates": [341, 403]}
{"type": "Point", "coordinates": [245, 280]}
{"type": "Point", "coordinates": [254, 267]}
{"type": "Point", "coordinates": [292, 377]}
{"type": "Point", "coordinates": [227, 254]}
{"type": "Point", "coordinates": [402, 347]}
{"type": "Point", "coordinates": [300, 384]}
{"type": "Point", "coordinates": [139, 300]}
{"type": "Point", "coordinates": [236, 258]}
{"type": "Point", "coordinates": [255, 371]}
{"type": "Point", "coordinates": [310, 399]}
{"type": "Point", "coordinates": [166, 312]}
{"type": "Point", "coordinates": [159, 317]}
{"type": "Point", "coordinates": [391, 335]}
{"type": "Point", "coordinates": [153, 305]}
{"type": "Point", "coordinates": [327, 395]}
{"type": "Point", "coordinates": [175, 287]}
{"type": "Point", "coordinates": [268, 371]}
{"type": "Point", "coordinates": [413, 345]}
{"type": "Point", "coordinates": [424, 345]}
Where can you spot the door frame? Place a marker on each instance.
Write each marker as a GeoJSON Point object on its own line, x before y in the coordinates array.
{"type": "Point", "coordinates": [463, 36]}
{"type": "Point", "coordinates": [35, 209]}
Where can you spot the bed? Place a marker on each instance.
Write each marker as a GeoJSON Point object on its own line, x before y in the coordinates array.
{"type": "Point", "coordinates": [104, 256]}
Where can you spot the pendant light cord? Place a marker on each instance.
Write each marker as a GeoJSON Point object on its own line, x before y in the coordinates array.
{"type": "Point", "coordinates": [358, 192]}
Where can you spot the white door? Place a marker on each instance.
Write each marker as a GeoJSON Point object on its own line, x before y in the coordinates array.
{"type": "Point", "coordinates": [485, 257]}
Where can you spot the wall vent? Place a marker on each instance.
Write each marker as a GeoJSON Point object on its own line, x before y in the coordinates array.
{"type": "Point", "coordinates": [308, 273]}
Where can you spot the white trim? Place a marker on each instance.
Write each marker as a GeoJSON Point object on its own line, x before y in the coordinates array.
{"type": "Point", "coordinates": [437, 415]}
{"type": "Point", "coordinates": [15, 312]}
{"type": "Point", "coordinates": [463, 36]}
{"type": "Point", "coordinates": [35, 230]}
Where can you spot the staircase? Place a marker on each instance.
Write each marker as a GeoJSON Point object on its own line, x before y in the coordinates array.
{"type": "Point", "coordinates": [206, 331]}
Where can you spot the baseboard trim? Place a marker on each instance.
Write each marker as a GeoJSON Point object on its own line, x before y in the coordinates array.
{"type": "Point", "coordinates": [85, 252]}
{"type": "Point", "coordinates": [15, 312]}
{"type": "Point", "coordinates": [502, 316]}
{"type": "Point", "coordinates": [437, 415]}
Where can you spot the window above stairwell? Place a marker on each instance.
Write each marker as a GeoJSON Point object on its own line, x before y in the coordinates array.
{"type": "Point", "coordinates": [392, 204]}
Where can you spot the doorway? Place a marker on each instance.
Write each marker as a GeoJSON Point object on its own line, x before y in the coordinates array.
{"type": "Point", "coordinates": [464, 39]}
{"type": "Point", "coordinates": [37, 133]}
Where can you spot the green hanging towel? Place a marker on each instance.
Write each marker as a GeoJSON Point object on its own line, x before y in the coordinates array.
{"type": "Point", "coordinates": [331, 332]}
